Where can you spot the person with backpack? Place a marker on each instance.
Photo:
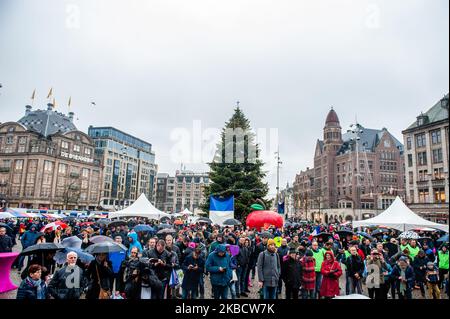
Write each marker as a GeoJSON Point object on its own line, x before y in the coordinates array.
{"type": "Point", "coordinates": [269, 270]}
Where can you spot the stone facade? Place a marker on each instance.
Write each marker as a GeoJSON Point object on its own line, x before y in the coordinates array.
{"type": "Point", "coordinates": [45, 162]}
{"type": "Point", "coordinates": [426, 162]}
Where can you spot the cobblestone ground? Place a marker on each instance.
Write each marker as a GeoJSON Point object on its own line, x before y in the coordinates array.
{"type": "Point", "coordinates": [254, 294]}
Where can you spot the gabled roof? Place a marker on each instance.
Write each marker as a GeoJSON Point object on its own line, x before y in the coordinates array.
{"type": "Point", "coordinates": [140, 208]}
{"type": "Point", "coordinates": [435, 114]}
{"type": "Point", "coordinates": [369, 140]}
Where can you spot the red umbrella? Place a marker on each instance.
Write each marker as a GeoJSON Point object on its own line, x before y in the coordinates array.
{"type": "Point", "coordinates": [86, 224]}
{"type": "Point", "coordinates": [261, 218]}
{"type": "Point", "coordinates": [53, 226]}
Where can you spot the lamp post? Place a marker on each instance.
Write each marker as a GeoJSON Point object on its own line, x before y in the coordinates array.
{"type": "Point", "coordinates": [122, 156]}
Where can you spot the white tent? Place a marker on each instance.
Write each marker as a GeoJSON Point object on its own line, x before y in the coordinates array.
{"type": "Point", "coordinates": [140, 208]}
{"type": "Point", "coordinates": [399, 216]}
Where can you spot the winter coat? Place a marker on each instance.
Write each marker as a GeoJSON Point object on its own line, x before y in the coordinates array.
{"type": "Point", "coordinates": [417, 264]}
{"type": "Point", "coordinates": [215, 261]}
{"type": "Point", "coordinates": [331, 271]}
{"type": "Point", "coordinates": [28, 291]}
{"type": "Point", "coordinates": [134, 242]}
{"type": "Point", "coordinates": [106, 276]}
{"type": "Point", "coordinates": [308, 273]}
{"type": "Point", "coordinates": [6, 244]}
{"type": "Point", "coordinates": [269, 268]}
{"type": "Point", "coordinates": [58, 285]}
{"type": "Point", "coordinates": [355, 265]}
{"type": "Point", "coordinates": [163, 272]}
{"type": "Point", "coordinates": [291, 273]}
{"type": "Point", "coordinates": [192, 277]}
{"type": "Point", "coordinates": [29, 238]}
{"type": "Point", "coordinates": [243, 258]}
{"type": "Point", "coordinates": [409, 274]}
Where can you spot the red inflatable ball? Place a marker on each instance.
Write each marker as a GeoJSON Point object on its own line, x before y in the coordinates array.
{"type": "Point", "coordinates": [261, 218]}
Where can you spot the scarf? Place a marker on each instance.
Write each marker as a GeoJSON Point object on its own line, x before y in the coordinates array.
{"type": "Point", "coordinates": [402, 284]}
{"type": "Point", "coordinates": [40, 293]}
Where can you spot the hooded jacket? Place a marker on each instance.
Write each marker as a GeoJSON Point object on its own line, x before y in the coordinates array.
{"type": "Point", "coordinates": [134, 242]}
{"type": "Point", "coordinates": [331, 271]}
{"type": "Point", "coordinates": [214, 262]}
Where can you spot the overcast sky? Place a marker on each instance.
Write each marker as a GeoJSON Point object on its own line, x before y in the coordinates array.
{"type": "Point", "coordinates": [154, 66]}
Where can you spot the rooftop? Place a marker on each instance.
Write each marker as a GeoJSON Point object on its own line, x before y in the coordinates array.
{"type": "Point", "coordinates": [435, 114]}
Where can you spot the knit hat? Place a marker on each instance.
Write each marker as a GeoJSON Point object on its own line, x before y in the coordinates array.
{"type": "Point", "coordinates": [270, 242]}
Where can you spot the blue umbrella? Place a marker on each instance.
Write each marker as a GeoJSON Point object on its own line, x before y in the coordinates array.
{"type": "Point", "coordinates": [61, 256]}
{"type": "Point", "coordinates": [72, 242]}
{"type": "Point", "coordinates": [143, 228]}
{"type": "Point", "coordinates": [443, 239]}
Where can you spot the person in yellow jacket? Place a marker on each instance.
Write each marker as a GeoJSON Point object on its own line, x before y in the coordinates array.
{"type": "Point", "coordinates": [443, 264]}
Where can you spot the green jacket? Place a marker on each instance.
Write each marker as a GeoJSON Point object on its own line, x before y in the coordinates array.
{"type": "Point", "coordinates": [318, 256]}
{"type": "Point", "coordinates": [443, 259]}
{"type": "Point", "coordinates": [413, 251]}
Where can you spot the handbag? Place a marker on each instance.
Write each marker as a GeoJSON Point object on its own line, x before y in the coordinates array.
{"type": "Point", "coordinates": [104, 294]}
{"type": "Point", "coordinates": [234, 276]}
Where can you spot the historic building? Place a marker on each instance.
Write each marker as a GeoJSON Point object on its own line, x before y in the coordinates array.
{"type": "Point", "coordinates": [46, 162]}
{"type": "Point", "coordinates": [355, 174]}
{"type": "Point", "coordinates": [426, 161]}
{"type": "Point", "coordinates": [185, 190]}
{"type": "Point", "coordinates": [303, 199]}
{"type": "Point", "coordinates": [129, 167]}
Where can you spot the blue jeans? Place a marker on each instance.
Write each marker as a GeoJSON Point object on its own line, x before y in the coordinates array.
{"type": "Point", "coordinates": [241, 283]}
{"type": "Point", "coordinates": [220, 292]}
{"type": "Point", "coordinates": [270, 292]}
{"type": "Point", "coordinates": [192, 293]}
{"type": "Point", "coordinates": [232, 286]}
{"type": "Point", "coordinates": [318, 284]}
{"type": "Point", "coordinates": [308, 294]}
{"type": "Point", "coordinates": [352, 284]}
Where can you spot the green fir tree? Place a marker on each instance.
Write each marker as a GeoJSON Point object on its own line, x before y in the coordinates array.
{"type": "Point", "coordinates": [236, 168]}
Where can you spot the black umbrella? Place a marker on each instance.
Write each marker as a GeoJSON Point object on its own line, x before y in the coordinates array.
{"type": "Point", "coordinates": [365, 235]}
{"type": "Point", "coordinates": [324, 236]}
{"type": "Point", "coordinates": [166, 231]}
{"type": "Point", "coordinates": [232, 222]}
{"type": "Point", "coordinates": [117, 223]}
{"type": "Point", "coordinates": [204, 220]}
{"type": "Point", "coordinates": [105, 247]}
{"type": "Point", "coordinates": [345, 232]}
{"type": "Point", "coordinates": [380, 231]}
{"type": "Point", "coordinates": [104, 221]}
{"type": "Point", "coordinates": [162, 226]}
{"type": "Point", "coordinates": [40, 248]}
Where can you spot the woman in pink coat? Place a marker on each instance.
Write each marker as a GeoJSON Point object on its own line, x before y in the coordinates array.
{"type": "Point", "coordinates": [331, 271]}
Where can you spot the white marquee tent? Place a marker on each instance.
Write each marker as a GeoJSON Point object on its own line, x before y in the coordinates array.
{"type": "Point", "coordinates": [140, 208]}
{"type": "Point", "coordinates": [399, 216]}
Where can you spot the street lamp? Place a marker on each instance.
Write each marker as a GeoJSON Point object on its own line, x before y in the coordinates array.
{"type": "Point", "coordinates": [122, 156]}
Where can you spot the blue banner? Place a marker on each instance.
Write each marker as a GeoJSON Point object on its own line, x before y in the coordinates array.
{"type": "Point", "coordinates": [280, 207]}
{"type": "Point", "coordinates": [221, 204]}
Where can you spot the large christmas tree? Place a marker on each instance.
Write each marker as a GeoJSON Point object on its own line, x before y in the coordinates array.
{"type": "Point", "coordinates": [236, 168]}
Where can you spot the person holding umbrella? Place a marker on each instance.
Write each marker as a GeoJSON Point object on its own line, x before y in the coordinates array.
{"type": "Point", "coordinates": [100, 276]}
{"type": "Point", "coordinates": [69, 282]}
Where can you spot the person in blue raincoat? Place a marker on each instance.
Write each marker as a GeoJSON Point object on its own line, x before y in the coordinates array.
{"type": "Point", "coordinates": [218, 265]}
{"type": "Point", "coordinates": [134, 242]}
{"type": "Point", "coordinates": [116, 259]}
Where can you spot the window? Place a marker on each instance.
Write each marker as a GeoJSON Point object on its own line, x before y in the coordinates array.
{"type": "Point", "coordinates": [437, 155]}
{"type": "Point", "coordinates": [62, 169]}
{"type": "Point", "coordinates": [22, 140]}
{"type": "Point", "coordinates": [76, 148]}
{"type": "Point", "coordinates": [48, 166]}
{"type": "Point", "coordinates": [423, 195]}
{"type": "Point", "coordinates": [19, 165]}
{"type": "Point", "coordinates": [64, 145]}
{"type": "Point", "coordinates": [31, 178]}
{"type": "Point", "coordinates": [435, 137]}
{"type": "Point", "coordinates": [420, 140]}
{"type": "Point", "coordinates": [438, 173]}
{"type": "Point", "coordinates": [9, 140]}
{"type": "Point", "coordinates": [410, 160]}
{"type": "Point", "coordinates": [411, 177]}
{"type": "Point", "coordinates": [439, 195]}
{"type": "Point", "coordinates": [408, 143]}
{"type": "Point", "coordinates": [423, 175]}
{"type": "Point", "coordinates": [422, 158]}
{"type": "Point", "coordinates": [87, 151]}
{"type": "Point", "coordinates": [85, 173]}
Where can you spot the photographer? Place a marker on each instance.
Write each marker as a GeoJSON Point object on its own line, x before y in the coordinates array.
{"type": "Point", "coordinates": [161, 261]}
{"type": "Point", "coordinates": [376, 261]}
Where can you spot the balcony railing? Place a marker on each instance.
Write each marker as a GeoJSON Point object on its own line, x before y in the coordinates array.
{"type": "Point", "coordinates": [438, 182]}
{"type": "Point", "coordinates": [5, 169]}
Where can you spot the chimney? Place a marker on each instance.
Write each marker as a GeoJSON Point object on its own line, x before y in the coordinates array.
{"type": "Point", "coordinates": [71, 114]}
{"type": "Point", "coordinates": [27, 109]}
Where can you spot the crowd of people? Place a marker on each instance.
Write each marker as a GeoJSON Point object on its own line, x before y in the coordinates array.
{"type": "Point", "coordinates": [174, 259]}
